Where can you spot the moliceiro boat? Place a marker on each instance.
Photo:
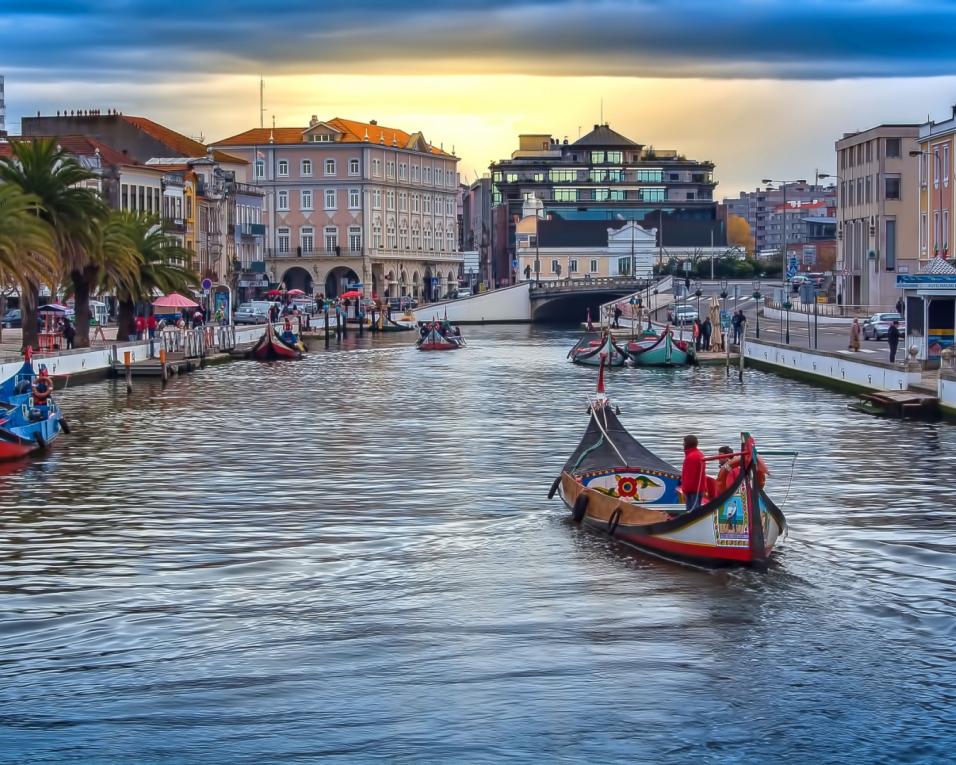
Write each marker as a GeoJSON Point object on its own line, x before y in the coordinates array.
{"type": "Point", "coordinates": [589, 350]}
{"type": "Point", "coordinates": [30, 420]}
{"type": "Point", "coordinates": [271, 347]}
{"type": "Point", "coordinates": [439, 336]}
{"type": "Point", "coordinates": [663, 350]}
{"type": "Point", "coordinates": [614, 484]}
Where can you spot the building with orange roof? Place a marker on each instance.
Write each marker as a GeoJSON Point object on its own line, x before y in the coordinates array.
{"type": "Point", "coordinates": [355, 202]}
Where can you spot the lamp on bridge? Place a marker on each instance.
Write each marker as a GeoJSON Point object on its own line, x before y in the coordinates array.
{"type": "Point", "coordinates": [757, 297]}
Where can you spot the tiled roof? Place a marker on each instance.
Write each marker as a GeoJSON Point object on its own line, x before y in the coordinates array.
{"type": "Point", "coordinates": [177, 141]}
{"type": "Point", "coordinates": [602, 135]}
{"type": "Point", "coordinates": [84, 146]}
{"type": "Point", "coordinates": [939, 266]}
{"type": "Point", "coordinates": [351, 131]}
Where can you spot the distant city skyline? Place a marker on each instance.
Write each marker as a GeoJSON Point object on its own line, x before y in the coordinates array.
{"type": "Point", "coordinates": [761, 89]}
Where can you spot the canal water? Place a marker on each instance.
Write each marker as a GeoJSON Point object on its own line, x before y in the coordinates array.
{"type": "Point", "coordinates": [353, 558]}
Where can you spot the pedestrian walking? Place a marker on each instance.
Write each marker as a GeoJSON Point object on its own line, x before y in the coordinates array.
{"type": "Point", "coordinates": [140, 327]}
{"type": "Point", "coordinates": [855, 332]}
{"type": "Point", "coordinates": [893, 338]}
{"type": "Point", "coordinates": [69, 332]}
{"type": "Point", "coordinates": [617, 315]}
{"type": "Point", "coordinates": [198, 318]}
{"type": "Point", "coordinates": [735, 325]}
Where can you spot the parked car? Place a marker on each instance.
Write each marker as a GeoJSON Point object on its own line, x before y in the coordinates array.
{"type": "Point", "coordinates": [685, 314]}
{"type": "Point", "coordinates": [247, 313]}
{"type": "Point", "coordinates": [878, 325]}
{"type": "Point", "coordinates": [462, 292]}
{"type": "Point", "coordinates": [401, 303]}
{"type": "Point", "coordinates": [12, 318]}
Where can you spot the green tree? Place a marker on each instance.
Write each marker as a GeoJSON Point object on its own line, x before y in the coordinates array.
{"type": "Point", "coordinates": [73, 211]}
{"type": "Point", "coordinates": [163, 264]}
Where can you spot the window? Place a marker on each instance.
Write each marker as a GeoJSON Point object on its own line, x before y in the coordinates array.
{"type": "Point", "coordinates": [651, 195]}
{"type": "Point", "coordinates": [283, 171]}
{"type": "Point", "coordinates": [353, 166]}
{"type": "Point", "coordinates": [390, 200]}
{"type": "Point", "coordinates": [893, 147]}
{"type": "Point", "coordinates": [305, 196]}
{"type": "Point", "coordinates": [565, 195]}
{"type": "Point", "coordinates": [615, 157]}
{"type": "Point", "coordinates": [946, 231]}
{"type": "Point", "coordinates": [282, 200]}
{"type": "Point", "coordinates": [936, 236]}
{"type": "Point", "coordinates": [450, 236]}
{"type": "Point", "coordinates": [307, 239]}
{"type": "Point", "coordinates": [402, 171]}
{"type": "Point", "coordinates": [597, 157]}
{"type": "Point", "coordinates": [354, 201]}
{"type": "Point", "coordinates": [624, 266]}
{"type": "Point", "coordinates": [282, 240]}
{"type": "Point", "coordinates": [260, 168]}
{"type": "Point", "coordinates": [390, 233]}
{"type": "Point", "coordinates": [390, 169]}
{"type": "Point", "coordinates": [923, 231]}
{"type": "Point", "coordinates": [377, 232]}
{"type": "Point", "coordinates": [330, 167]}
{"type": "Point", "coordinates": [892, 187]}
{"type": "Point", "coordinates": [142, 198]}
{"type": "Point", "coordinates": [563, 176]}
{"type": "Point", "coordinates": [427, 239]}
{"type": "Point", "coordinates": [946, 165]}
{"type": "Point", "coordinates": [511, 177]}
{"type": "Point", "coordinates": [439, 241]}
{"type": "Point", "coordinates": [594, 265]}
{"type": "Point", "coordinates": [125, 204]}
{"type": "Point", "coordinates": [426, 203]}
{"type": "Point", "coordinates": [403, 236]}
{"type": "Point", "coordinates": [355, 238]}
{"type": "Point", "coordinates": [415, 203]}
{"type": "Point", "coordinates": [555, 267]}
{"type": "Point", "coordinates": [869, 190]}
{"type": "Point", "coordinates": [376, 199]}
{"type": "Point", "coordinates": [415, 173]}
{"type": "Point", "coordinates": [331, 239]}
{"type": "Point", "coordinates": [321, 138]}
{"type": "Point", "coordinates": [572, 266]}
{"type": "Point", "coordinates": [330, 199]}
{"type": "Point", "coordinates": [891, 244]}
{"type": "Point", "coordinates": [649, 176]}
{"type": "Point", "coordinates": [859, 191]}
{"type": "Point", "coordinates": [403, 202]}
{"type": "Point", "coordinates": [305, 167]}
{"type": "Point", "coordinates": [449, 206]}
{"type": "Point", "coordinates": [428, 175]}
{"type": "Point", "coordinates": [869, 151]}
{"type": "Point", "coordinates": [377, 167]}
{"type": "Point", "coordinates": [936, 166]}
{"type": "Point", "coordinates": [538, 177]}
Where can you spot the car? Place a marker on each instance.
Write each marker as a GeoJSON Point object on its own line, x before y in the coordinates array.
{"type": "Point", "coordinates": [462, 292]}
{"type": "Point", "coordinates": [685, 314]}
{"type": "Point", "coordinates": [247, 313]}
{"type": "Point", "coordinates": [12, 318]}
{"type": "Point", "coordinates": [878, 325]}
{"type": "Point", "coordinates": [402, 303]}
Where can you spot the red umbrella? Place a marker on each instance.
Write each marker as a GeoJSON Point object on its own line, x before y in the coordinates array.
{"type": "Point", "coordinates": [174, 300]}
{"type": "Point", "coordinates": [295, 293]}
{"type": "Point", "coordinates": [351, 294]}
{"type": "Point", "coordinates": [274, 293]}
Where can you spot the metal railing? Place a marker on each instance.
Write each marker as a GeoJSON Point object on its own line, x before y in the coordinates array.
{"type": "Point", "coordinates": [589, 283]}
{"type": "Point", "coordinates": [829, 309]}
{"type": "Point", "coordinates": [193, 343]}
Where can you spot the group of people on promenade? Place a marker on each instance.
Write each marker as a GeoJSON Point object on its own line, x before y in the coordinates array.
{"type": "Point", "coordinates": [893, 335]}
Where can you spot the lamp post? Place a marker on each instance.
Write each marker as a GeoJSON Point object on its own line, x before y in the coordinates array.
{"type": "Point", "coordinates": [757, 298]}
{"type": "Point", "coordinates": [783, 186]}
{"type": "Point", "coordinates": [938, 171]}
{"type": "Point", "coordinates": [821, 176]}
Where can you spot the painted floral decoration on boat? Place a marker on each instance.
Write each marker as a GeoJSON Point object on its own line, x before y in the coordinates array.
{"type": "Point", "coordinates": [626, 486]}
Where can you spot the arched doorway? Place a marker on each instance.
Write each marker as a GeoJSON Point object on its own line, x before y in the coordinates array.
{"type": "Point", "coordinates": [452, 284]}
{"type": "Point", "coordinates": [338, 280]}
{"type": "Point", "coordinates": [297, 278]}
{"type": "Point", "coordinates": [427, 290]}
{"type": "Point", "coordinates": [416, 287]}
{"type": "Point", "coordinates": [403, 286]}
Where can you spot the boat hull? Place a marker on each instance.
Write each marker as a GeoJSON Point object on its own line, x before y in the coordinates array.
{"type": "Point", "coordinates": [717, 537]}
{"type": "Point", "coordinates": [271, 348]}
{"type": "Point", "coordinates": [663, 352]}
{"type": "Point", "coordinates": [614, 356]}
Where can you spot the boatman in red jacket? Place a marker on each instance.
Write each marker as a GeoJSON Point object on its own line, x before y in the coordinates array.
{"type": "Point", "coordinates": [693, 475]}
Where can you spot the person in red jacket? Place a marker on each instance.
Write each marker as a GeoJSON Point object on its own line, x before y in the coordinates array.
{"type": "Point", "coordinates": [693, 476]}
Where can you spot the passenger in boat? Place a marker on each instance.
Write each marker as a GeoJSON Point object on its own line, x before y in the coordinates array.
{"type": "Point", "coordinates": [729, 470]}
{"type": "Point", "coordinates": [693, 476]}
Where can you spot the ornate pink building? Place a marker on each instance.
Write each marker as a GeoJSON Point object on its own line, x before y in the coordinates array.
{"type": "Point", "coordinates": [349, 201]}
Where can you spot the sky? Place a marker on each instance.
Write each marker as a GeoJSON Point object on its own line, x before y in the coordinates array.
{"type": "Point", "coordinates": [763, 88]}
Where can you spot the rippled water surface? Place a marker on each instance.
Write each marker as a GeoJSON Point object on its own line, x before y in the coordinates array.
{"type": "Point", "coordinates": [353, 557]}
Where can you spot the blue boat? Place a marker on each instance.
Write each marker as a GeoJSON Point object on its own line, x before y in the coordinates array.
{"type": "Point", "coordinates": [30, 420]}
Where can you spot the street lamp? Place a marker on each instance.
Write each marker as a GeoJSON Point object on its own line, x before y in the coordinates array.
{"type": "Point", "coordinates": [937, 170]}
{"type": "Point", "coordinates": [757, 298]}
{"type": "Point", "coordinates": [786, 217]}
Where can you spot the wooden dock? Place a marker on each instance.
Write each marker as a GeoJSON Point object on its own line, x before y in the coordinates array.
{"type": "Point", "coordinates": [898, 403]}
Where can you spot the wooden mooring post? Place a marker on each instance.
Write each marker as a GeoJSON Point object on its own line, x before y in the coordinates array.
{"type": "Point", "coordinates": [128, 364]}
{"type": "Point", "coordinates": [326, 312]}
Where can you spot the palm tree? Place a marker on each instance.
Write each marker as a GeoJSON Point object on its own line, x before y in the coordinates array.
{"type": "Point", "coordinates": [27, 251]}
{"type": "Point", "coordinates": [163, 266]}
{"type": "Point", "coordinates": [72, 210]}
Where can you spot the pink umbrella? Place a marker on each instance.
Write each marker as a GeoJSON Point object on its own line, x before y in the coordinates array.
{"type": "Point", "coordinates": [295, 293]}
{"type": "Point", "coordinates": [174, 300]}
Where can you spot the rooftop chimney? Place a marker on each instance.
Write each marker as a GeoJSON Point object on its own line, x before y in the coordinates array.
{"type": "Point", "coordinates": [373, 122]}
{"type": "Point", "coordinates": [314, 121]}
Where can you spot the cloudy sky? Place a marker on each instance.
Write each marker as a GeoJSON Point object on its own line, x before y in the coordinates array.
{"type": "Point", "coordinates": [761, 87]}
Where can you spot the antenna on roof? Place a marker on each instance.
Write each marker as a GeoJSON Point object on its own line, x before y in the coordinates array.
{"type": "Point", "coordinates": [602, 111]}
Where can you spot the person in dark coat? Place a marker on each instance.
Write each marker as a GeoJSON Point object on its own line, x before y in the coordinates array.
{"type": "Point", "coordinates": [706, 329]}
{"type": "Point", "coordinates": [893, 338]}
{"type": "Point", "coordinates": [69, 332]}
{"type": "Point", "coordinates": [698, 334]}
{"type": "Point", "coordinates": [900, 306]}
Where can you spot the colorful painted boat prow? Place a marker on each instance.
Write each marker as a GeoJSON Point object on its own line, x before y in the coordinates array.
{"type": "Point", "coordinates": [661, 351]}
{"type": "Point", "coordinates": [615, 484]}
{"type": "Point", "coordinates": [439, 337]}
{"type": "Point", "coordinates": [590, 349]}
{"type": "Point", "coordinates": [271, 347]}
{"type": "Point", "coordinates": [30, 420]}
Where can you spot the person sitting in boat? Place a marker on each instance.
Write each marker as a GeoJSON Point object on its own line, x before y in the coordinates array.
{"type": "Point", "coordinates": [693, 476]}
{"type": "Point", "coordinates": [729, 470]}
{"type": "Point", "coordinates": [424, 331]}
{"type": "Point", "coordinates": [42, 386]}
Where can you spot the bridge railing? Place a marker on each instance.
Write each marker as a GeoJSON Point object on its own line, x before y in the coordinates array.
{"type": "Point", "coordinates": [590, 283]}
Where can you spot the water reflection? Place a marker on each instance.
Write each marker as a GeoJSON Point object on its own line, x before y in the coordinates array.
{"type": "Point", "coordinates": [353, 557]}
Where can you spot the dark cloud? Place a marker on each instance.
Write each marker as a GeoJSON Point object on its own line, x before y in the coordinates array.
{"type": "Point", "coordinates": [108, 40]}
